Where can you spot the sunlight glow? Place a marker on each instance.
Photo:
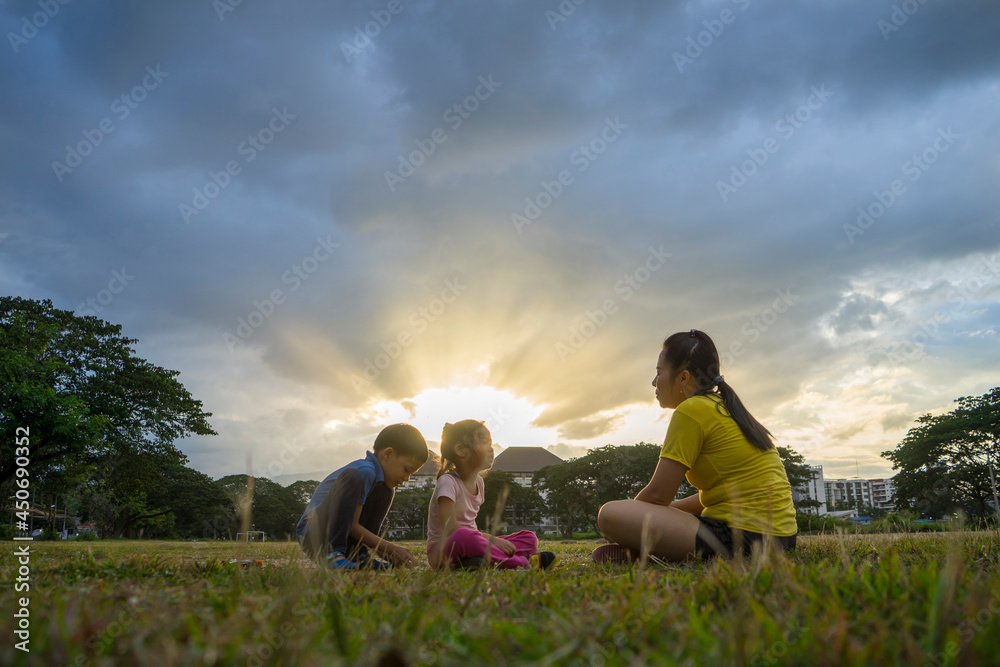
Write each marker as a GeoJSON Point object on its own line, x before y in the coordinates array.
{"type": "Point", "coordinates": [508, 417]}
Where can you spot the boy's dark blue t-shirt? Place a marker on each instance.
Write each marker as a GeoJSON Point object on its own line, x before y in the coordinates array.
{"type": "Point", "coordinates": [369, 467]}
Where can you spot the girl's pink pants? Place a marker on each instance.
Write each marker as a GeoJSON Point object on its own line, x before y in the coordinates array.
{"type": "Point", "coordinates": [465, 543]}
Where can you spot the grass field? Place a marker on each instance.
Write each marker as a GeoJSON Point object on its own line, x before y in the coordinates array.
{"type": "Point", "coordinates": [839, 600]}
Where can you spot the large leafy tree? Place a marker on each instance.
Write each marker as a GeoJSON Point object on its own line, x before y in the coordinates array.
{"type": "Point", "coordinates": [568, 495]}
{"type": "Point", "coordinates": [409, 509]}
{"type": "Point", "coordinates": [92, 407]}
{"type": "Point", "coordinates": [39, 390]}
{"type": "Point", "coordinates": [522, 506]}
{"type": "Point", "coordinates": [575, 490]}
{"type": "Point", "coordinates": [950, 461]}
{"type": "Point", "coordinates": [273, 508]}
{"type": "Point", "coordinates": [304, 489]}
{"type": "Point", "coordinates": [191, 496]}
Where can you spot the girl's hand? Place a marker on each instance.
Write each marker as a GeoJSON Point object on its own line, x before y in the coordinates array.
{"type": "Point", "coordinates": [506, 546]}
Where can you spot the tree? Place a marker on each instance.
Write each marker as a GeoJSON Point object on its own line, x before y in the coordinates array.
{"type": "Point", "coordinates": [575, 490]}
{"type": "Point", "coordinates": [273, 508]}
{"type": "Point", "coordinates": [522, 506]}
{"type": "Point", "coordinates": [567, 495]}
{"type": "Point", "coordinates": [190, 496]}
{"type": "Point", "coordinates": [37, 393]}
{"type": "Point", "coordinates": [949, 461]}
{"type": "Point", "coordinates": [92, 406]}
{"type": "Point", "coordinates": [621, 472]}
{"type": "Point", "coordinates": [409, 509]}
{"type": "Point", "coordinates": [53, 488]}
{"type": "Point", "coordinates": [304, 490]}
{"type": "Point", "coordinates": [799, 476]}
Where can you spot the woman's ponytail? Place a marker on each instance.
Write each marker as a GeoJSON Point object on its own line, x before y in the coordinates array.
{"type": "Point", "coordinates": [695, 352]}
{"type": "Point", "coordinates": [752, 429]}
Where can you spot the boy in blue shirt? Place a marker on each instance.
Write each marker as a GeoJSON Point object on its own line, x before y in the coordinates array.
{"type": "Point", "coordinates": [343, 519]}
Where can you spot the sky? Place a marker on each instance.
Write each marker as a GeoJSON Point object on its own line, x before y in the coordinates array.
{"type": "Point", "coordinates": [330, 217]}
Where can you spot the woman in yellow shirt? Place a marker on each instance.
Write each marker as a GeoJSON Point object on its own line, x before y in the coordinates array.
{"type": "Point", "coordinates": [712, 440]}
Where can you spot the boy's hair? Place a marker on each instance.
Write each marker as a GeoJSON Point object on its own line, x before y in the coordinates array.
{"type": "Point", "coordinates": [452, 435]}
{"type": "Point", "coordinates": [695, 352]}
{"type": "Point", "coordinates": [404, 439]}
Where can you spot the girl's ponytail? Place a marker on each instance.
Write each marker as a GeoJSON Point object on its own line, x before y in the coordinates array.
{"type": "Point", "coordinates": [453, 435]}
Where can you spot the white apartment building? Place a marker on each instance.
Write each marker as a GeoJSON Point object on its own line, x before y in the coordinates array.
{"type": "Point", "coordinates": [814, 489]}
{"type": "Point", "coordinates": [882, 492]}
{"type": "Point", "coordinates": [875, 492]}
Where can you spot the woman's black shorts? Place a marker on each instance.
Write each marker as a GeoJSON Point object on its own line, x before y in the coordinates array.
{"type": "Point", "coordinates": [717, 538]}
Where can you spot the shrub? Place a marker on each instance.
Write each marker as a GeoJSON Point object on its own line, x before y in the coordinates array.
{"type": "Point", "coordinates": [929, 527]}
{"type": "Point", "coordinates": [811, 523]}
{"type": "Point", "coordinates": [893, 523]}
{"type": "Point", "coordinates": [87, 536]}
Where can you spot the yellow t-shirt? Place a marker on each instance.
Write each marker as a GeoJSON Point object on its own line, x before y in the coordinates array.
{"type": "Point", "coordinates": [737, 483]}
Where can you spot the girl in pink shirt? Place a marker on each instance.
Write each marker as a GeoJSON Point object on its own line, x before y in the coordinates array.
{"type": "Point", "coordinates": [452, 536]}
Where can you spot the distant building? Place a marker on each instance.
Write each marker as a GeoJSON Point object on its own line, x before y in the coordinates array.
{"type": "Point", "coordinates": [850, 491]}
{"type": "Point", "coordinates": [814, 489]}
{"type": "Point", "coordinates": [845, 492]}
{"type": "Point", "coordinates": [882, 492]}
{"type": "Point", "coordinates": [524, 462]}
{"type": "Point", "coordinates": [875, 492]}
{"type": "Point", "coordinates": [425, 475]}
{"type": "Point", "coordinates": [521, 462]}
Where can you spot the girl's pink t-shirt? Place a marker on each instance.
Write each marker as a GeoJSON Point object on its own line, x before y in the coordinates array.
{"type": "Point", "coordinates": [467, 506]}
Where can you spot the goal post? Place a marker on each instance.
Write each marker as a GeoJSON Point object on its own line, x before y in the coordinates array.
{"type": "Point", "coordinates": [251, 536]}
